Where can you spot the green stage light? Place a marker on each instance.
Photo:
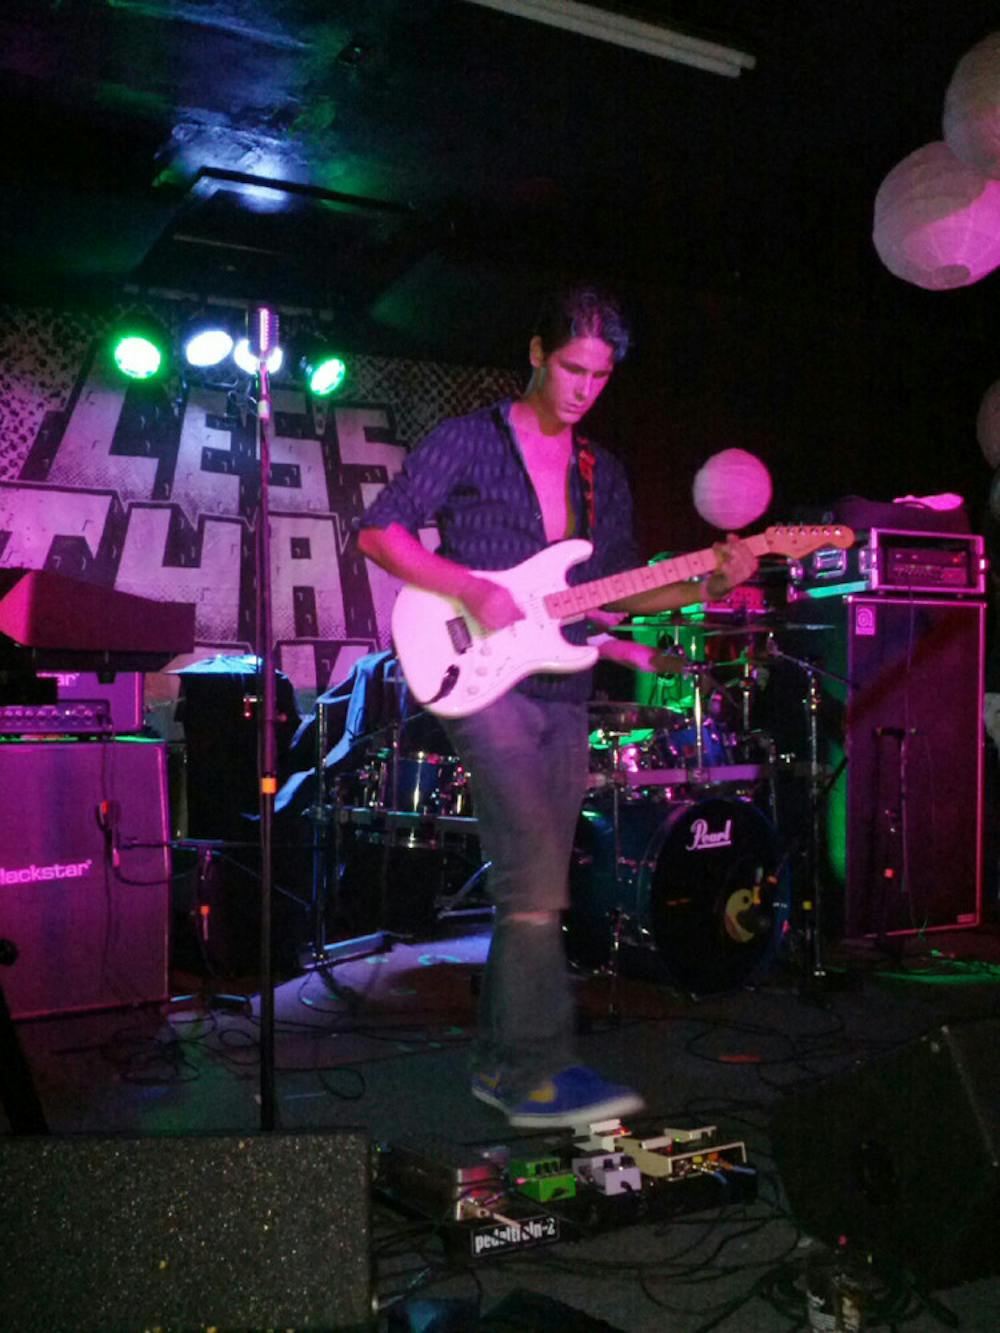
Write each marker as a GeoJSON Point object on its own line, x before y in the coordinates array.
{"type": "Point", "coordinates": [323, 369]}
{"type": "Point", "coordinates": [139, 348]}
{"type": "Point", "coordinates": [326, 377]}
{"type": "Point", "coordinates": [137, 357]}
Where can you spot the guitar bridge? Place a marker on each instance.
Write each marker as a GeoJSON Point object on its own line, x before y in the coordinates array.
{"type": "Point", "coordinates": [458, 632]}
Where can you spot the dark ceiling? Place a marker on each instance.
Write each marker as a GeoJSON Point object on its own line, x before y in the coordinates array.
{"type": "Point", "coordinates": [437, 160]}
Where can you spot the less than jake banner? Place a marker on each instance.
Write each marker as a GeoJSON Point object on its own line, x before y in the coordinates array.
{"type": "Point", "coordinates": [154, 490]}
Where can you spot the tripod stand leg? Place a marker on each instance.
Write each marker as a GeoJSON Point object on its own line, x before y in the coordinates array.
{"type": "Point", "coordinates": [17, 1089]}
{"type": "Point", "coordinates": [450, 906]}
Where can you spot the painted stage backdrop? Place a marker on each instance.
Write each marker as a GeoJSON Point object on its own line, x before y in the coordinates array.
{"type": "Point", "coordinates": [153, 490]}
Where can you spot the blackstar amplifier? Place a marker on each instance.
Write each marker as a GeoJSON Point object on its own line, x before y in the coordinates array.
{"type": "Point", "coordinates": [84, 874]}
{"type": "Point", "coordinates": [894, 562]}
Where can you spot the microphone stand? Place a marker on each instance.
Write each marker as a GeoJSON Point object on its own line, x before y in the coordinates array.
{"type": "Point", "coordinates": [263, 341]}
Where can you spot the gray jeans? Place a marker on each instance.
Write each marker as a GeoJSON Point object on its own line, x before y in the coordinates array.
{"type": "Point", "coordinates": [528, 761]}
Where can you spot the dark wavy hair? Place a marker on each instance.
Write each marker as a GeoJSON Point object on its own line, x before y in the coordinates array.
{"type": "Point", "coordinates": [582, 311]}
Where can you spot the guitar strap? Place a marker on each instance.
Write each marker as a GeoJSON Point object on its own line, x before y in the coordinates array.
{"type": "Point", "coordinates": [586, 462]}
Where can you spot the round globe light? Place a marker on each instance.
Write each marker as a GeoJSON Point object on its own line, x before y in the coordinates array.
{"type": "Point", "coordinates": [732, 489]}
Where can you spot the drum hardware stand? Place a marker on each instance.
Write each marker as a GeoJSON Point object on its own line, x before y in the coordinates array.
{"type": "Point", "coordinates": [747, 683]}
{"type": "Point", "coordinates": [818, 791]}
{"type": "Point", "coordinates": [449, 907]}
{"type": "Point", "coordinates": [616, 827]}
{"type": "Point", "coordinates": [698, 671]}
{"type": "Point", "coordinates": [618, 916]}
{"type": "Point", "coordinates": [613, 969]}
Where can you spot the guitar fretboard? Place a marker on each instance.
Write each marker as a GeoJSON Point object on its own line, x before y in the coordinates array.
{"type": "Point", "coordinates": [570, 603]}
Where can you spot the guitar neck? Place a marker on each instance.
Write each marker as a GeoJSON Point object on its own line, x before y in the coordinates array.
{"type": "Point", "coordinates": [571, 603]}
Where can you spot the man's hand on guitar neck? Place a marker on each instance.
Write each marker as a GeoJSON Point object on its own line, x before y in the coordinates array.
{"type": "Point", "coordinates": [736, 564]}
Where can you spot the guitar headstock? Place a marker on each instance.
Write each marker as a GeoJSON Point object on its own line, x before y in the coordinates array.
{"type": "Point", "coordinates": [806, 538]}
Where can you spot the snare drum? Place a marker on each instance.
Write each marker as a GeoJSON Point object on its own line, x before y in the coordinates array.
{"type": "Point", "coordinates": [427, 784]}
{"type": "Point", "coordinates": [698, 887]}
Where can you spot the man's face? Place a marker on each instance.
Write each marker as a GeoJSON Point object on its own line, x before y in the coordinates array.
{"type": "Point", "coordinates": [572, 377]}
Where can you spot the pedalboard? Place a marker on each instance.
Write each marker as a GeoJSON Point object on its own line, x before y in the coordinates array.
{"type": "Point", "coordinates": [497, 1200]}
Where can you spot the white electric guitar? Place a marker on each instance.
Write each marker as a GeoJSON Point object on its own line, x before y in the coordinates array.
{"type": "Point", "coordinates": [455, 667]}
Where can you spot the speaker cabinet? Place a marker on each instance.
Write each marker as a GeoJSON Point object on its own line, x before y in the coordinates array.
{"type": "Point", "coordinates": [915, 765]}
{"type": "Point", "coordinates": [228, 1231]}
{"type": "Point", "coordinates": [902, 1156]}
{"type": "Point", "coordinates": [84, 874]}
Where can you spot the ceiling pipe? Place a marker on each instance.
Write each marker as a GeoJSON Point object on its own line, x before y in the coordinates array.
{"type": "Point", "coordinates": [635, 34]}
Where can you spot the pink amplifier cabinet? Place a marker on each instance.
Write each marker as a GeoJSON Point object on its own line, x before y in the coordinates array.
{"type": "Point", "coordinates": [84, 874]}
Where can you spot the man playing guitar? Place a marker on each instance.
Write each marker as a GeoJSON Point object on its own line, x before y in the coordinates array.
{"type": "Point", "coordinates": [504, 484]}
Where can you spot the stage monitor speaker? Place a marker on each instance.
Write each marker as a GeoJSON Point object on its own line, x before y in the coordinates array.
{"type": "Point", "coordinates": [915, 765]}
{"type": "Point", "coordinates": [902, 1156]}
{"type": "Point", "coordinates": [229, 1231]}
{"type": "Point", "coordinates": [84, 874]}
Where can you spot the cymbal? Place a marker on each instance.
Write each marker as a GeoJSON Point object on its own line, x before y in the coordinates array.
{"type": "Point", "coordinates": [775, 627]}
{"type": "Point", "coordinates": [624, 716]}
{"type": "Point", "coordinates": [712, 628]}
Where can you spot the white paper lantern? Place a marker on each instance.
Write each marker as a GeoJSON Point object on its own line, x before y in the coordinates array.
{"type": "Point", "coordinates": [972, 108]}
{"type": "Point", "coordinates": [937, 222]}
{"type": "Point", "coordinates": [732, 489]}
{"type": "Point", "coordinates": [988, 425]}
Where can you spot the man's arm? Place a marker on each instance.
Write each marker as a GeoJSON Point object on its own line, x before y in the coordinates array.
{"type": "Point", "coordinates": [396, 550]}
{"type": "Point", "coordinates": [639, 656]}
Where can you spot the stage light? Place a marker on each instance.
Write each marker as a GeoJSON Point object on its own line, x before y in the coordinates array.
{"type": "Point", "coordinates": [323, 369]}
{"type": "Point", "coordinates": [139, 348]}
{"type": "Point", "coordinates": [250, 364]}
{"type": "Point", "coordinates": [206, 342]}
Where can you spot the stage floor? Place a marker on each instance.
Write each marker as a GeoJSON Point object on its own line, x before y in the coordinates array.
{"type": "Point", "coordinates": [385, 1048]}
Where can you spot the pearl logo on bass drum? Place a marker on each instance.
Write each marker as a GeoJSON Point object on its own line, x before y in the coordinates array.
{"type": "Point", "coordinates": [703, 839]}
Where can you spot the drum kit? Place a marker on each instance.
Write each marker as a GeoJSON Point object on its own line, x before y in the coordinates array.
{"type": "Point", "coordinates": [678, 870]}
{"type": "Point", "coordinates": [683, 861]}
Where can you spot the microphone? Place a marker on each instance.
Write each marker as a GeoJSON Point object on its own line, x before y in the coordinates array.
{"type": "Point", "coordinates": [262, 331]}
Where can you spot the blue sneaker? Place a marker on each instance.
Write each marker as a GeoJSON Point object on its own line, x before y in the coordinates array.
{"type": "Point", "coordinates": [573, 1098]}
{"type": "Point", "coordinates": [486, 1088]}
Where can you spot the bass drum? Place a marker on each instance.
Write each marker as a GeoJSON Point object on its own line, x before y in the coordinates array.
{"type": "Point", "coordinates": [699, 888]}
